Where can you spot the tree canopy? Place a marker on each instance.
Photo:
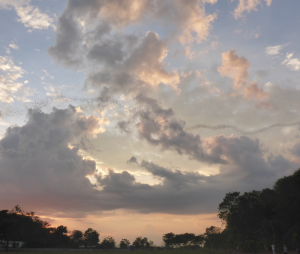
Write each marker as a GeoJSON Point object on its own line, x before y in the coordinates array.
{"type": "Point", "coordinates": [258, 218]}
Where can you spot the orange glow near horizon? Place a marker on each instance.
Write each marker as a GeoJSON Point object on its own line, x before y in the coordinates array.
{"type": "Point", "coordinates": [120, 224]}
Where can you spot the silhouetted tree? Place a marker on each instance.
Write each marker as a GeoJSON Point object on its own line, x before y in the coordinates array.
{"type": "Point", "coordinates": [108, 243]}
{"type": "Point", "coordinates": [17, 225]}
{"type": "Point", "coordinates": [142, 243]}
{"type": "Point", "coordinates": [76, 238]}
{"type": "Point", "coordinates": [91, 237]}
{"type": "Point", "coordinates": [213, 237]}
{"type": "Point", "coordinates": [183, 240]}
{"type": "Point", "coordinates": [258, 218]}
{"type": "Point", "coordinates": [59, 237]}
{"type": "Point", "coordinates": [124, 244]}
{"type": "Point", "coordinates": [169, 239]}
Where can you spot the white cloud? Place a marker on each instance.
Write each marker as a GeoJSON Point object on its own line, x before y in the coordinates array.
{"type": "Point", "coordinates": [14, 46]}
{"type": "Point", "coordinates": [8, 80]}
{"type": "Point", "coordinates": [32, 17]}
{"type": "Point", "coordinates": [273, 50]}
{"type": "Point", "coordinates": [29, 15]}
{"type": "Point", "coordinates": [292, 63]}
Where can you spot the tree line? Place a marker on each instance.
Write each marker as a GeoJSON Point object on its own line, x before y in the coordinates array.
{"type": "Point", "coordinates": [252, 222]}
{"type": "Point", "coordinates": [257, 219]}
{"type": "Point", "coordinates": [17, 225]}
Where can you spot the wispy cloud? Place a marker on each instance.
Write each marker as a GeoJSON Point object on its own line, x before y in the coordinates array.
{"type": "Point", "coordinates": [274, 50]}
{"type": "Point", "coordinates": [248, 5]}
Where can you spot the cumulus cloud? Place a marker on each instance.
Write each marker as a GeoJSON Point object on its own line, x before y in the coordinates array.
{"type": "Point", "coordinates": [236, 68]}
{"type": "Point", "coordinates": [68, 38]}
{"type": "Point", "coordinates": [292, 63]}
{"type": "Point", "coordinates": [88, 37]}
{"type": "Point", "coordinates": [141, 69]}
{"type": "Point", "coordinates": [193, 25]}
{"type": "Point", "coordinates": [146, 62]}
{"type": "Point", "coordinates": [38, 155]}
{"type": "Point", "coordinates": [121, 63]}
{"type": "Point", "coordinates": [248, 5]}
{"type": "Point", "coordinates": [88, 33]}
{"type": "Point", "coordinates": [29, 15]}
{"type": "Point", "coordinates": [44, 154]}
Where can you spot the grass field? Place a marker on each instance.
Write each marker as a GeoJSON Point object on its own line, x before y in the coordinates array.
{"type": "Point", "coordinates": [182, 251]}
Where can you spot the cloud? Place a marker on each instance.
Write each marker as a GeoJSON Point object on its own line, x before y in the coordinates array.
{"type": "Point", "coordinates": [296, 149]}
{"type": "Point", "coordinates": [248, 5]}
{"type": "Point", "coordinates": [141, 70]}
{"type": "Point", "coordinates": [28, 15]}
{"type": "Point", "coordinates": [132, 160]}
{"type": "Point", "coordinates": [176, 179]}
{"type": "Point", "coordinates": [292, 63]}
{"type": "Point", "coordinates": [44, 154]}
{"type": "Point", "coordinates": [168, 133]}
{"type": "Point", "coordinates": [124, 126]}
{"type": "Point", "coordinates": [38, 155]}
{"type": "Point", "coordinates": [185, 192]}
{"type": "Point", "coordinates": [236, 68]}
{"type": "Point", "coordinates": [273, 50]}
{"type": "Point", "coordinates": [85, 27]}
{"type": "Point", "coordinates": [68, 38]}
{"type": "Point", "coordinates": [192, 23]}
{"type": "Point", "coordinates": [9, 84]}
{"type": "Point", "coordinates": [13, 46]}
{"type": "Point", "coordinates": [253, 91]}
{"type": "Point", "coordinates": [123, 13]}
{"type": "Point", "coordinates": [146, 62]}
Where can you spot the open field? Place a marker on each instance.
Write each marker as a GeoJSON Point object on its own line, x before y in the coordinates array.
{"type": "Point", "coordinates": [76, 251]}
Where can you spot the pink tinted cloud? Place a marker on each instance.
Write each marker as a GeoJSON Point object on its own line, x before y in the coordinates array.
{"type": "Point", "coordinates": [236, 68]}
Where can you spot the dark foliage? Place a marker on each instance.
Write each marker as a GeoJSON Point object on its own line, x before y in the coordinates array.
{"type": "Point", "coordinates": [256, 219]}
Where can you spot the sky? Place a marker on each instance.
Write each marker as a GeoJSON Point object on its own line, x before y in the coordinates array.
{"type": "Point", "coordinates": [136, 117]}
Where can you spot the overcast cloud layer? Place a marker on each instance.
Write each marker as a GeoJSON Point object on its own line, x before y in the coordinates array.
{"type": "Point", "coordinates": [159, 66]}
